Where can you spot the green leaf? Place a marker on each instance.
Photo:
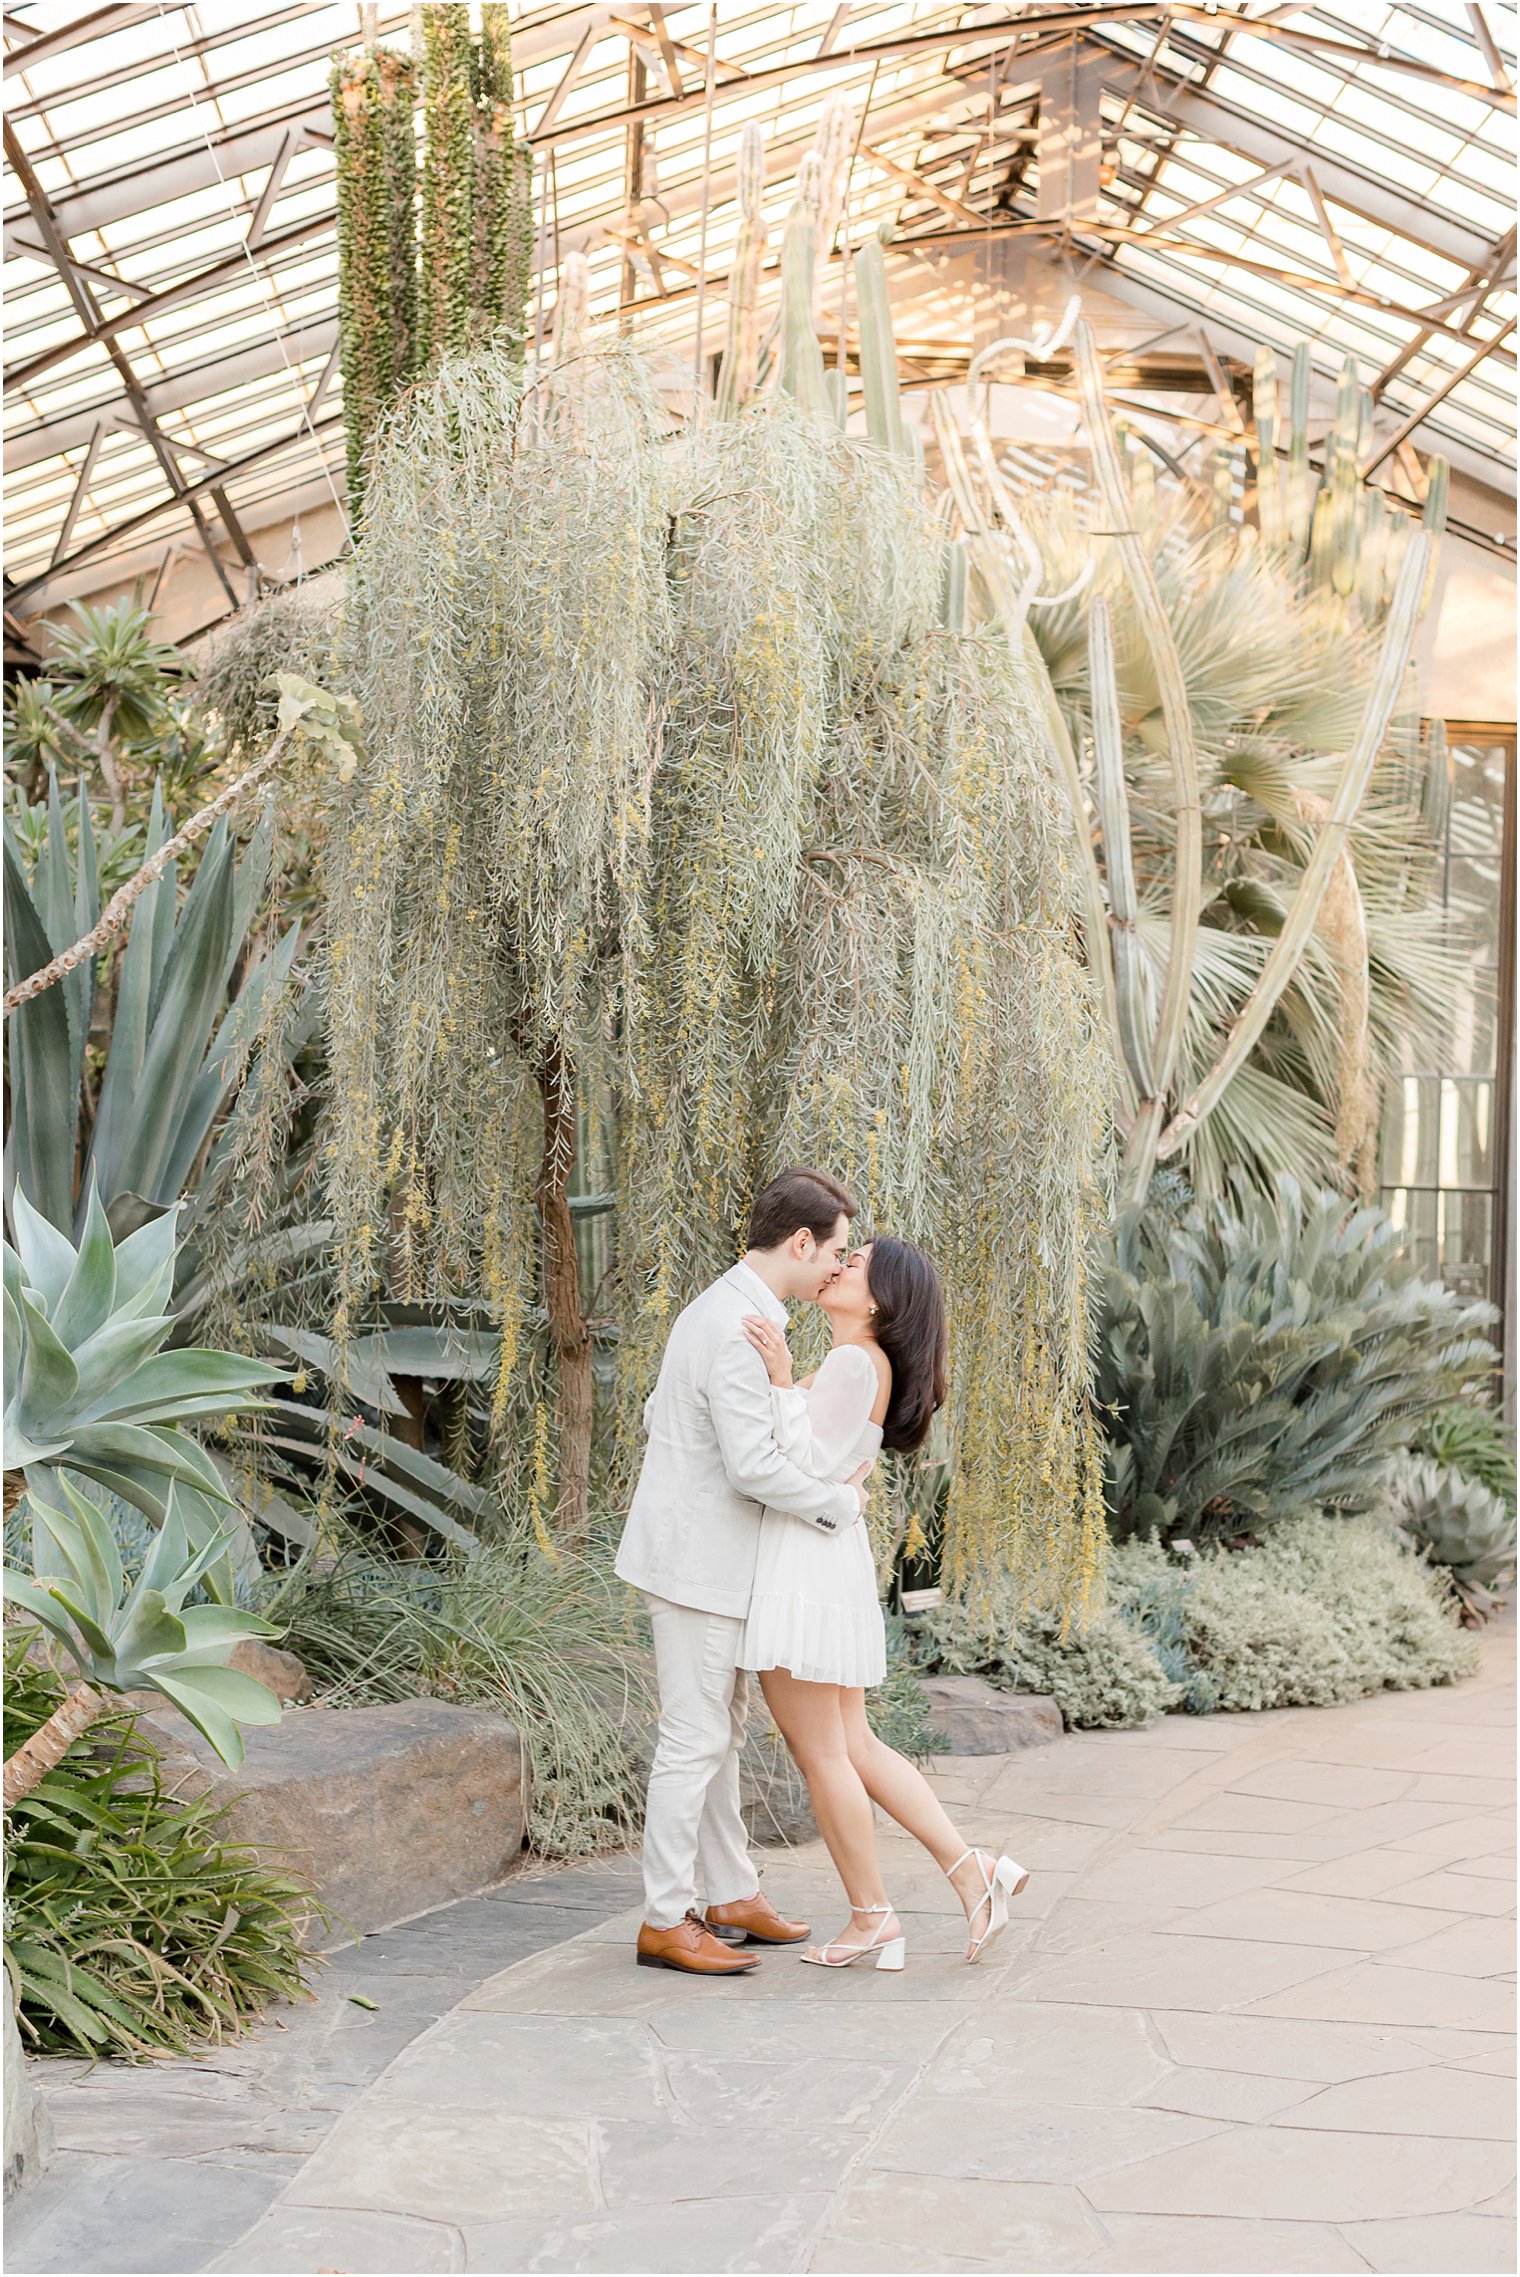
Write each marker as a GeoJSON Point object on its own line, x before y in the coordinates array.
{"type": "Point", "coordinates": [109, 1359]}
{"type": "Point", "coordinates": [46, 1254]}
{"type": "Point", "coordinates": [187, 997]}
{"type": "Point", "coordinates": [147, 1632]}
{"type": "Point", "coordinates": [163, 1385]}
{"type": "Point", "coordinates": [90, 1292]}
{"type": "Point", "coordinates": [49, 1378]}
{"type": "Point", "coordinates": [44, 1090]}
{"type": "Point", "coordinates": [145, 1265]}
{"type": "Point", "coordinates": [211, 1720]}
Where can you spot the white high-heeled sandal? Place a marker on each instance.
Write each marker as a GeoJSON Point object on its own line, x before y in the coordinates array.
{"type": "Point", "coordinates": [892, 1955]}
{"type": "Point", "coordinates": [1004, 1882]}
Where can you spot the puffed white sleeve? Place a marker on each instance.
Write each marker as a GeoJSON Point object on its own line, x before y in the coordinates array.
{"type": "Point", "coordinates": [819, 1427]}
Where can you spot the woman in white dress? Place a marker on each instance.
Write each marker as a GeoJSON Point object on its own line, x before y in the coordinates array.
{"type": "Point", "coordinates": [815, 1633]}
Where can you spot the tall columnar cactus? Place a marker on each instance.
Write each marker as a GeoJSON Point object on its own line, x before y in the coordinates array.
{"type": "Point", "coordinates": [448, 180]}
{"type": "Point", "coordinates": [741, 342]}
{"type": "Point", "coordinates": [802, 372]}
{"type": "Point", "coordinates": [373, 101]}
{"type": "Point", "coordinates": [878, 350]}
{"type": "Point", "coordinates": [413, 287]}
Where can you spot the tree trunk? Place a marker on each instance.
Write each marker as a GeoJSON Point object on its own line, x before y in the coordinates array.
{"type": "Point", "coordinates": [569, 1336]}
{"type": "Point", "coordinates": [51, 1741]}
{"type": "Point", "coordinates": [106, 756]}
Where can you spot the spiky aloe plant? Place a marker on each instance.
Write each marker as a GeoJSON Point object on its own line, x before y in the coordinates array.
{"type": "Point", "coordinates": [89, 1386]}
{"type": "Point", "coordinates": [122, 1639]}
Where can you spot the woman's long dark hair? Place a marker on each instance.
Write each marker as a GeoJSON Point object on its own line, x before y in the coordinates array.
{"type": "Point", "coordinates": [910, 1328]}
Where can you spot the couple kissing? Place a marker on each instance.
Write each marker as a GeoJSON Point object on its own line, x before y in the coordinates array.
{"type": "Point", "coordinates": [746, 1539]}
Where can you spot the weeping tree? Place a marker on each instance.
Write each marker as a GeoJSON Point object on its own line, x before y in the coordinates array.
{"type": "Point", "coordinates": [1233, 718]}
{"type": "Point", "coordinates": [681, 793]}
{"type": "Point", "coordinates": [435, 256]}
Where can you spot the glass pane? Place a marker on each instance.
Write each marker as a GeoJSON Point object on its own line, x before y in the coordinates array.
{"type": "Point", "coordinates": [1466, 1242]}
{"type": "Point", "coordinates": [1466, 1121]}
{"type": "Point", "coordinates": [1417, 1216]}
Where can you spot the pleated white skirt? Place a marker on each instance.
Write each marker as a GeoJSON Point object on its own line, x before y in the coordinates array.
{"type": "Point", "coordinates": [815, 1610]}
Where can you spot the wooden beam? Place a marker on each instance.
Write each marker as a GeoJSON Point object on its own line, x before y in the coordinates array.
{"type": "Point", "coordinates": [1220, 198]}
{"type": "Point", "coordinates": [1423, 410]}
{"type": "Point", "coordinates": [591, 37]}
{"type": "Point", "coordinates": [1328, 229]}
{"type": "Point", "coordinates": [77, 499]}
{"type": "Point", "coordinates": [919, 182]}
{"type": "Point", "coordinates": [1490, 47]}
{"type": "Point", "coordinates": [271, 190]}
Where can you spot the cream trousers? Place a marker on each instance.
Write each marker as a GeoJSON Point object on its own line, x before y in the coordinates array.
{"type": "Point", "coordinates": [695, 1847]}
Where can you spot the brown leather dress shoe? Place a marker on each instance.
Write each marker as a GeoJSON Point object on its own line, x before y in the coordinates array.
{"type": "Point", "coordinates": [754, 1921]}
{"type": "Point", "coordinates": [691, 1948]}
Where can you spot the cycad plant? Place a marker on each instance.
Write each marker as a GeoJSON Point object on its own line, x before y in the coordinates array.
{"type": "Point", "coordinates": [89, 1386]}
{"type": "Point", "coordinates": [1261, 1356]}
{"type": "Point", "coordinates": [124, 1639]}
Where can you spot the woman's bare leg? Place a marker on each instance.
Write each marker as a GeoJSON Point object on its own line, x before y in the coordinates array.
{"type": "Point", "coordinates": [811, 1722]}
{"type": "Point", "coordinates": [906, 1795]}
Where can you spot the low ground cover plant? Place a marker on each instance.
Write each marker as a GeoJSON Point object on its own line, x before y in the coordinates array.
{"type": "Point", "coordinates": [1324, 1610]}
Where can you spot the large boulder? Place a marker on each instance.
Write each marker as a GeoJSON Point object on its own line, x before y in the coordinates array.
{"type": "Point", "coordinates": [28, 2129]}
{"type": "Point", "coordinates": [385, 1811]}
{"type": "Point", "coordinates": [975, 1718]}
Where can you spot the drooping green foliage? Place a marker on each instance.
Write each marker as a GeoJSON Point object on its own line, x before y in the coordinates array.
{"type": "Point", "coordinates": [134, 1926]}
{"type": "Point", "coordinates": [1262, 1357]}
{"type": "Point", "coordinates": [676, 785]}
{"type": "Point", "coordinates": [189, 1005]}
{"type": "Point", "coordinates": [1325, 1610]}
{"type": "Point", "coordinates": [112, 703]}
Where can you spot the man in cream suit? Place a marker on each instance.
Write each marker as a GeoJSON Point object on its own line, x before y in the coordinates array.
{"type": "Point", "coordinates": [711, 1466]}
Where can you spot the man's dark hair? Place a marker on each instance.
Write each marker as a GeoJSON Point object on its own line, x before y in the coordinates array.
{"type": "Point", "coordinates": [799, 1198]}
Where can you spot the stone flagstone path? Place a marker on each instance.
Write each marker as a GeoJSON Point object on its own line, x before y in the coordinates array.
{"type": "Point", "coordinates": [1256, 2016]}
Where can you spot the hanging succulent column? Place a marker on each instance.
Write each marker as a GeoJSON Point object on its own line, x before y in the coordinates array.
{"type": "Point", "coordinates": [502, 231]}
{"type": "Point", "coordinates": [448, 181]}
{"type": "Point", "coordinates": [373, 101]}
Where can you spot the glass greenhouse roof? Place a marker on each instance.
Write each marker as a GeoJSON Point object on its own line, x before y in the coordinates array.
{"type": "Point", "coordinates": [1260, 173]}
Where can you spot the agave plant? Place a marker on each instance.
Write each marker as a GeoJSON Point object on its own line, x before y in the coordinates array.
{"type": "Point", "coordinates": [178, 1046]}
{"type": "Point", "coordinates": [122, 1639]}
{"type": "Point", "coordinates": [1263, 1357]}
{"type": "Point", "coordinates": [88, 1385]}
{"type": "Point", "coordinates": [1458, 1522]}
